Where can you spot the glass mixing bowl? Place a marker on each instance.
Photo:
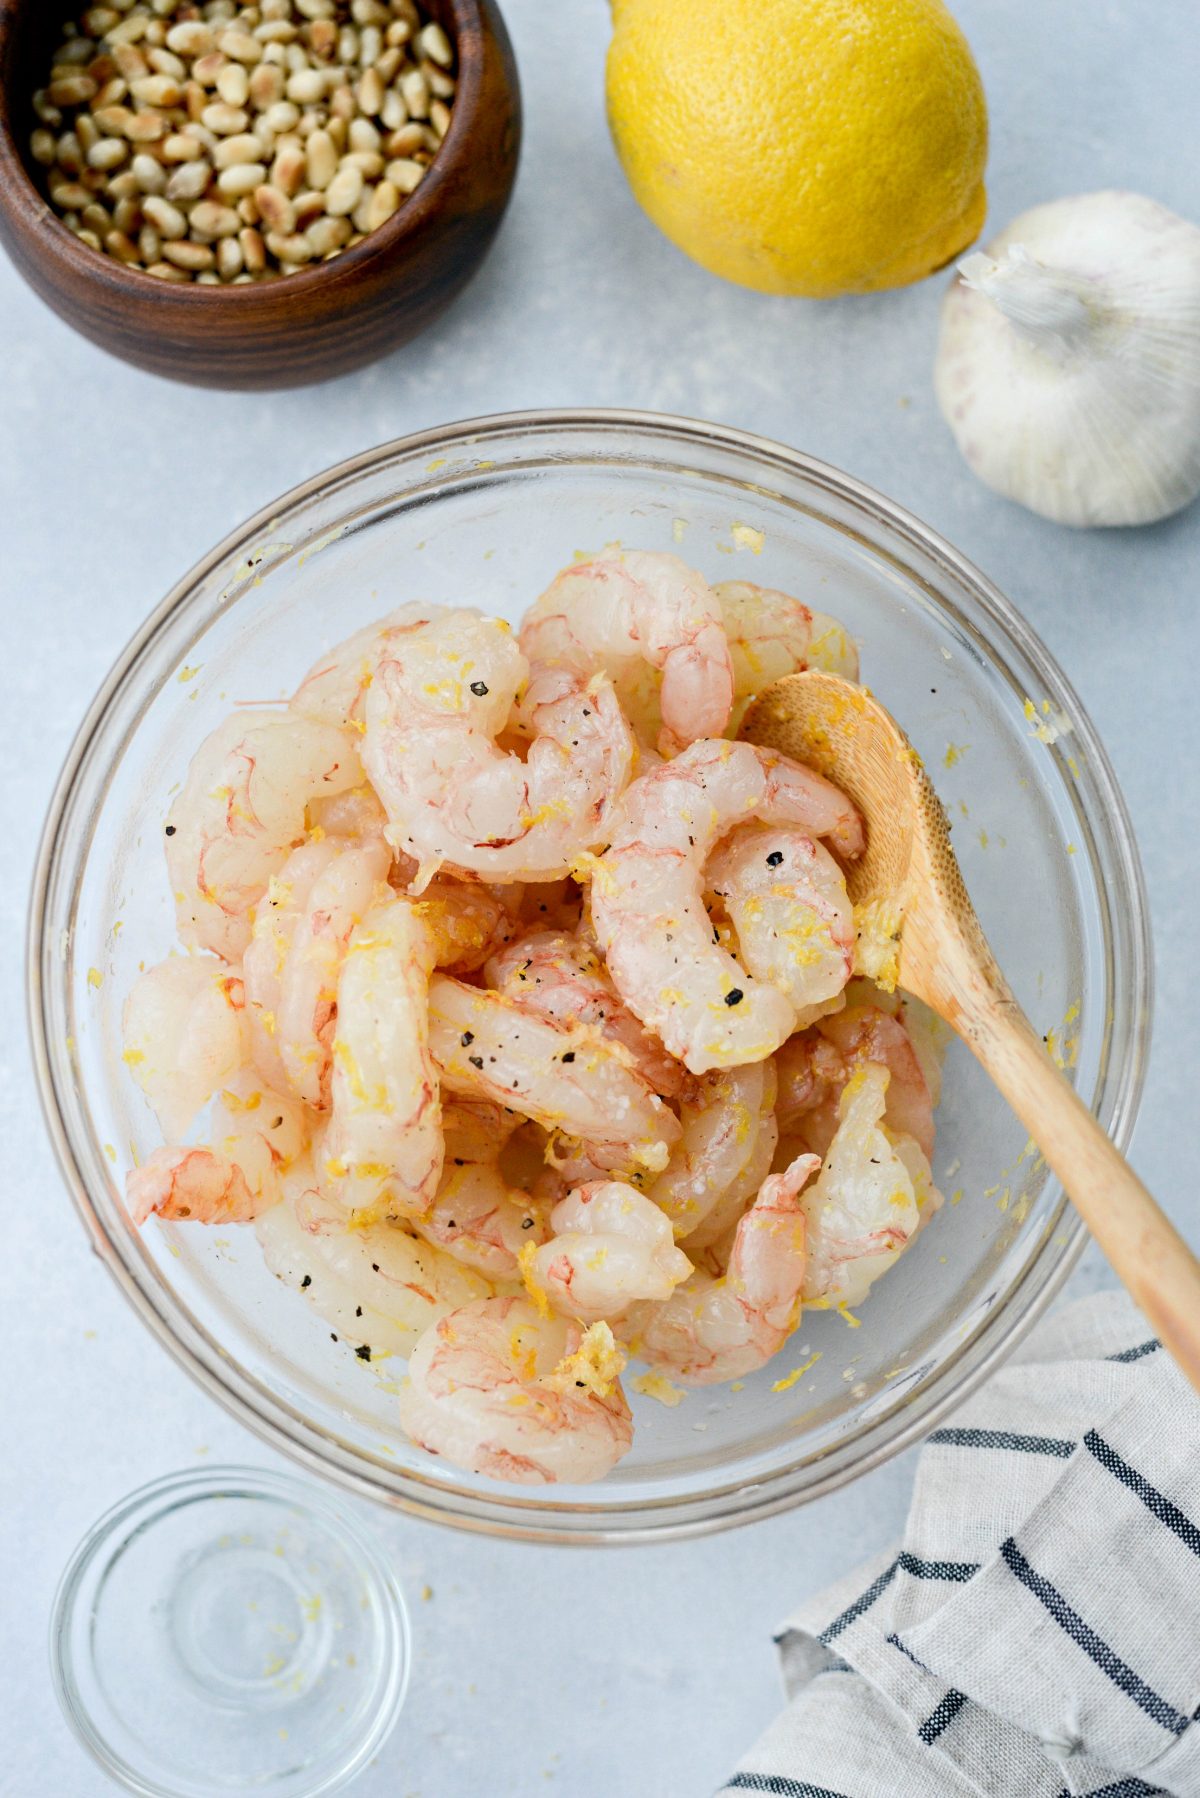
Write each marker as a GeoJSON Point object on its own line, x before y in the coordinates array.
{"type": "Point", "coordinates": [485, 512]}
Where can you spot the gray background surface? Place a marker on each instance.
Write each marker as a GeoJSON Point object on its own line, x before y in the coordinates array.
{"type": "Point", "coordinates": [639, 1674]}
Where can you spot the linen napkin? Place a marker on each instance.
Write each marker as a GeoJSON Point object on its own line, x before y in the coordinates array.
{"type": "Point", "coordinates": [1037, 1632]}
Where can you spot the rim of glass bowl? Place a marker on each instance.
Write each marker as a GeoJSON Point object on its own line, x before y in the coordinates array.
{"type": "Point", "coordinates": [988, 618]}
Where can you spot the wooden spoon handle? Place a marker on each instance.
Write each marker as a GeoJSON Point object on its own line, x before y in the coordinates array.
{"type": "Point", "coordinates": [1144, 1248]}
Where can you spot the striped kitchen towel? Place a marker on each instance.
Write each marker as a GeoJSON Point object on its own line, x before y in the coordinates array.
{"type": "Point", "coordinates": [1037, 1633]}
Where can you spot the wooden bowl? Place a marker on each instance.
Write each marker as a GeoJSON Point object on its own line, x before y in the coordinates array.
{"type": "Point", "coordinates": [300, 328]}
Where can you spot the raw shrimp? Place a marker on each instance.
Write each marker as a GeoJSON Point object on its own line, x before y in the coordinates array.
{"type": "Point", "coordinates": [184, 1031]}
{"type": "Point", "coordinates": [770, 634]}
{"type": "Point", "coordinates": [621, 611]}
{"type": "Point", "coordinates": [722, 1217]}
{"type": "Point", "coordinates": [713, 1329]}
{"type": "Point", "coordinates": [866, 1206]}
{"type": "Point", "coordinates": [240, 810]}
{"type": "Point", "coordinates": [482, 1221]}
{"type": "Point", "coordinates": [477, 1130]}
{"type": "Point", "coordinates": [561, 977]}
{"type": "Point", "coordinates": [647, 903]}
{"type": "Point", "coordinates": [564, 1077]}
{"type": "Point", "coordinates": [376, 1285]}
{"type": "Point", "coordinates": [815, 1066]}
{"type": "Point", "coordinates": [336, 903]}
{"type": "Point", "coordinates": [334, 691]}
{"type": "Point", "coordinates": [611, 1246]}
{"type": "Point", "coordinates": [498, 1390]}
{"type": "Point", "coordinates": [441, 695]}
{"type": "Point", "coordinates": [254, 1135]}
{"type": "Point", "coordinates": [354, 813]}
{"type": "Point", "coordinates": [786, 898]}
{"type": "Point", "coordinates": [720, 1122]}
{"type": "Point", "coordinates": [469, 921]}
{"type": "Point", "coordinates": [275, 923]}
{"type": "Point", "coordinates": [382, 1153]}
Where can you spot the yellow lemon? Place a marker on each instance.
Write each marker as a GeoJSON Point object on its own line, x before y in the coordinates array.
{"type": "Point", "coordinates": [812, 147]}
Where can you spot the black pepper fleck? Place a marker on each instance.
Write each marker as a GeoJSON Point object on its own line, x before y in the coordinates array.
{"type": "Point", "coordinates": [775, 857]}
{"type": "Point", "coordinates": [734, 996]}
{"type": "Point", "coordinates": [570, 1055]}
{"type": "Point", "coordinates": [332, 1336]}
{"type": "Point", "coordinates": [468, 1037]}
{"type": "Point", "coordinates": [306, 1281]}
{"type": "Point", "coordinates": [476, 1061]}
{"type": "Point", "coordinates": [363, 1352]}
{"type": "Point", "coordinates": [479, 688]}
{"type": "Point", "coordinates": [358, 1310]}
{"type": "Point", "coordinates": [170, 830]}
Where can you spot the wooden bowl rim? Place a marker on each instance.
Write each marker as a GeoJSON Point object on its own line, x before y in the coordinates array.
{"type": "Point", "coordinates": [20, 195]}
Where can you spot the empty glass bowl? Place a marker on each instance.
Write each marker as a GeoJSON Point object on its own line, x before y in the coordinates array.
{"type": "Point", "coordinates": [484, 513]}
{"type": "Point", "coordinates": [230, 1632]}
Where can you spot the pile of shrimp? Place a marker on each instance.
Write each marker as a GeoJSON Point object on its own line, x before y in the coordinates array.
{"type": "Point", "coordinates": [519, 1013]}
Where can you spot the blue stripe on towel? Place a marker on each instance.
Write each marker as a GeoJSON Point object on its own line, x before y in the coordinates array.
{"type": "Point", "coordinates": [1109, 1662]}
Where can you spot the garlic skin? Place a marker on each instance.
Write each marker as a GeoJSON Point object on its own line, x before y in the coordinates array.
{"type": "Point", "coordinates": [1068, 365]}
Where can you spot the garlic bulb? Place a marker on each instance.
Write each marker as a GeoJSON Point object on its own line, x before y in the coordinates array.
{"type": "Point", "coordinates": [1068, 366]}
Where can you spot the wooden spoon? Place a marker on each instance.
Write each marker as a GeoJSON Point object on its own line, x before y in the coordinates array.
{"type": "Point", "coordinates": [909, 871]}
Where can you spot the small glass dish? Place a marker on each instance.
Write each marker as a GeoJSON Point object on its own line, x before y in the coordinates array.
{"type": "Point", "coordinates": [230, 1632]}
{"type": "Point", "coordinates": [485, 512]}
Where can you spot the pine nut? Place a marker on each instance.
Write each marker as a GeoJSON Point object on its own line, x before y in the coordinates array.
{"type": "Point", "coordinates": [241, 45]}
{"type": "Point", "coordinates": [327, 234]}
{"type": "Point", "coordinates": [226, 121]}
{"type": "Point", "coordinates": [369, 163]}
{"type": "Point", "coordinates": [383, 202]}
{"type": "Point", "coordinates": [295, 248]}
{"type": "Point", "coordinates": [149, 174]}
{"type": "Point", "coordinates": [181, 148]}
{"type": "Point", "coordinates": [190, 256]}
{"type": "Point", "coordinates": [265, 89]}
{"type": "Point", "coordinates": [229, 258]}
{"type": "Point", "coordinates": [168, 219]}
{"type": "Point", "coordinates": [433, 43]}
{"type": "Point", "coordinates": [233, 84]}
{"type": "Point", "coordinates": [241, 179]}
{"type": "Point", "coordinates": [288, 170]}
{"type": "Point", "coordinates": [214, 220]}
{"type": "Point", "coordinates": [206, 69]}
{"type": "Point", "coordinates": [276, 210]}
{"type": "Point", "coordinates": [321, 159]}
{"type": "Point", "coordinates": [244, 147]}
{"type": "Point", "coordinates": [253, 250]}
{"type": "Point", "coordinates": [191, 39]}
{"type": "Point", "coordinates": [370, 93]}
{"type": "Point", "coordinates": [344, 191]}
{"type": "Point", "coordinates": [157, 90]}
{"type": "Point", "coordinates": [70, 154]}
{"type": "Point", "coordinates": [122, 247]}
{"type": "Point", "coordinates": [405, 173]}
{"type": "Point", "coordinates": [44, 148]}
{"type": "Point", "coordinates": [146, 128]}
{"type": "Point", "coordinates": [190, 180]}
{"type": "Point", "coordinates": [71, 90]}
{"type": "Point", "coordinates": [109, 153]}
{"type": "Point", "coordinates": [306, 86]}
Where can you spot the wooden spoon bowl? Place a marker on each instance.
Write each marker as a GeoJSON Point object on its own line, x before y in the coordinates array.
{"type": "Point", "coordinates": [305, 327]}
{"type": "Point", "coordinates": [909, 874]}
